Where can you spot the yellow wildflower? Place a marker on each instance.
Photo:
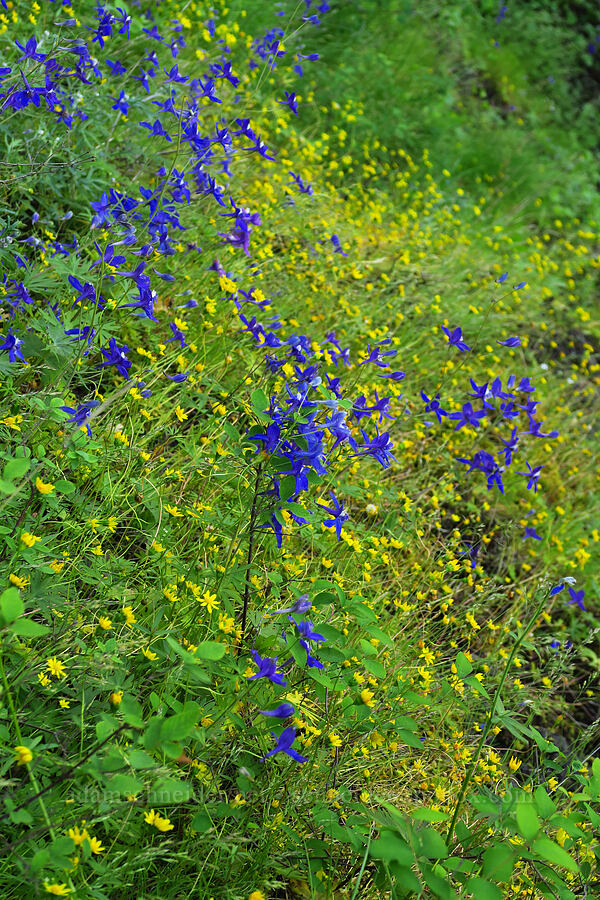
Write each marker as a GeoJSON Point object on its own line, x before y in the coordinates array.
{"type": "Point", "coordinates": [180, 413]}
{"type": "Point", "coordinates": [129, 616]}
{"type": "Point", "coordinates": [96, 845]}
{"type": "Point", "coordinates": [208, 601]}
{"type": "Point", "coordinates": [77, 836]}
{"type": "Point", "coordinates": [18, 581]}
{"type": "Point", "coordinates": [29, 539]}
{"type": "Point", "coordinates": [148, 653]}
{"type": "Point", "coordinates": [367, 697]}
{"type": "Point", "coordinates": [59, 890]}
{"type": "Point", "coordinates": [44, 487]}
{"type": "Point", "coordinates": [23, 755]}
{"type": "Point", "coordinates": [105, 622]}
{"type": "Point", "coordinates": [12, 422]}
{"type": "Point", "coordinates": [154, 818]}
{"type": "Point", "coordinates": [116, 697]}
{"type": "Point", "coordinates": [56, 667]}
{"type": "Point", "coordinates": [514, 764]}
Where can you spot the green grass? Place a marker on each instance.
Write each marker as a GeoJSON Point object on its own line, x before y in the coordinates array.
{"type": "Point", "coordinates": [451, 735]}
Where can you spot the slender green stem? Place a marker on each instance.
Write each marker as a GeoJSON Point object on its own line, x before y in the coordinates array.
{"type": "Point", "coordinates": [30, 772]}
{"type": "Point", "coordinates": [490, 718]}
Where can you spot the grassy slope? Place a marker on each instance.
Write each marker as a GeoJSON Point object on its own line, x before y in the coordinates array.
{"type": "Point", "coordinates": [424, 247]}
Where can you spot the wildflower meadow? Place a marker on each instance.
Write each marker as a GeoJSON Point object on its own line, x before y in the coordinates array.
{"type": "Point", "coordinates": [299, 381]}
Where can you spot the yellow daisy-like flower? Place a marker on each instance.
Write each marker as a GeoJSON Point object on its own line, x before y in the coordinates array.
{"type": "Point", "coordinates": [56, 667]}
{"type": "Point", "coordinates": [23, 755]}
{"type": "Point", "coordinates": [18, 581]}
{"type": "Point", "coordinates": [148, 653]}
{"type": "Point", "coordinates": [59, 890]}
{"type": "Point", "coordinates": [96, 845]}
{"type": "Point", "coordinates": [129, 615]}
{"type": "Point", "coordinates": [13, 422]}
{"type": "Point", "coordinates": [154, 818]}
{"type": "Point", "coordinates": [208, 601]}
{"type": "Point", "coordinates": [181, 414]}
{"type": "Point", "coordinates": [44, 487]}
{"type": "Point", "coordinates": [514, 764]}
{"type": "Point", "coordinates": [57, 566]}
{"type": "Point", "coordinates": [257, 895]}
{"type": "Point", "coordinates": [43, 679]}
{"type": "Point", "coordinates": [116, 697]}
{"type": "Point", "coordinates": [105, 622]}
{"type": "Point", "coordinates": [64, 704]}
{"type": "Point", "coordinates": [173, 511]}
{"type": "Point", "coordinates": [30, 540]}
{"type": "Point", "coordinates": [77, 836]}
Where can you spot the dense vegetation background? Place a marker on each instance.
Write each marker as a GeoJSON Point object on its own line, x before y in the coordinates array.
{"type": "Point", "coordinates": [299, 377]}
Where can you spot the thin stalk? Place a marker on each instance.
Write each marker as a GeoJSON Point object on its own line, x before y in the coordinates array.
{"type": "Point", "coordinates": [490, 718]}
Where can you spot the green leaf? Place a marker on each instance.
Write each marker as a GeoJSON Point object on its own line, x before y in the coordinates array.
{"type": "Point", "coordinates": [64, 487]}
{"type": "Point", "coordinates": [131, 711]}
{"type": "Point", "coordinates": [432, 844]}
{"type": "Point", "coordinates": [6, 487]}
{"type": "Point", "coordinates": [429, 815]}
{"type": "Point", "coordinates": [139, 759]}
{"type": "Point", "coordinates": [405, 877]}
{"type": "Point", "coordinates": [11, 605]}
{"type": "Point", "coordinates": [483, 890]}
{"type": "Point", "coordinates": [476, 685]}
{"type": "Point", "coordinates": [407, 737]}
{"type": "Point", "coordinates": [299, 653]}
{"type": "Point", "coordinates": [498, 862]}
{"type": "Point", "coordinates": [390, 846]}
{"type": "Point", "coordinates": [152, 732]}
{"type": "Point", "coordinates": [259, 400]}
{"type": "Point", "coordinates": [179, 726]}
{"type": "Point", "coordinates": [545, 806]}
{"type": "Point", "coordinates": [210, 650]}
{"type": "Point", "coordinates": [374, 667]}
{"type": "Point", "coordinates": [125, 784]}
{"type": "Point", "coordinates": [15, 468]}
{"type": "Point", "coordinates": [28, 628]}
{"type": "Point", "coordinates": [436, 883]}
{"type": "Point", "coordinates": [201, 823]}
{"type": "Point", "coordinates": [527, 819]}
{"type": "Point", "coordinates": [367, 648]}
{"type": "Point", "coordinates": [287, 487]}
{"type": "Point", "coordinates": [463, 666]}
{"type": "Point", "coordinates": [551, 852]}
{"type": "Point", "coordinates": [169, 790]}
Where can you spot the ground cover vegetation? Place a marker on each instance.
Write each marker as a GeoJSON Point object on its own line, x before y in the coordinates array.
{"type": "Point", "coordinates": [299, 375]}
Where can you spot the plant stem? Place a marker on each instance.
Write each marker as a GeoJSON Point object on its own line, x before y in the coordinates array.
{"type": "Point", "coordinates": [490, 718]}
